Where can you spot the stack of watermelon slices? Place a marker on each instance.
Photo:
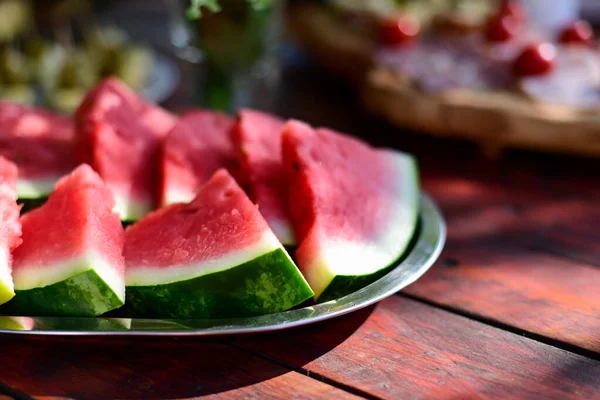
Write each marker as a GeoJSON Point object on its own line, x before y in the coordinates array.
{"type": "Point", "coordinates": [120, 135]}
{"type": "Point", "coordinates": [230, 192]}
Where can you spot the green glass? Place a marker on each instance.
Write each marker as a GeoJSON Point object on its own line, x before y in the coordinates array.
{"type": "Point", "coordinates": [240, 66]}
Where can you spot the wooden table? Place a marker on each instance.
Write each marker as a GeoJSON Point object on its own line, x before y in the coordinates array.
{"type": "Point", "coordinates": [511, 310]}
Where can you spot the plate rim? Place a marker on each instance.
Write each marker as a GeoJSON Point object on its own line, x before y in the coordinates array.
{"type": "Point", "coordinates": [422, 256]}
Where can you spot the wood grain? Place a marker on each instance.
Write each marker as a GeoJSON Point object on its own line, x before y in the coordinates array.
{"type": "Point", "coordinates": [148, 369]}
{"type": "Point", "coordinates": [553, 297]}
{"type": "Point", "coordinates": [408, 350]}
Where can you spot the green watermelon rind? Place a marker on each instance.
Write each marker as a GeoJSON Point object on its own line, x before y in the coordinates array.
{"type": "Point", "coordinates": [267, 284]}
{"type": "Point", "coordinates": [343, 285]}
{"type": "Point", "coordinates": [31, 204]}
{"type": "Point", "coordinates": [340, 285]}
{"type": "Point", "coordinates": [29, 189]}
{"type": "Point", "coordinates": [84, 294]}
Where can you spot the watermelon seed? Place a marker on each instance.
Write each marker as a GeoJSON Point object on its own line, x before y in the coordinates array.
{"type": "Point", "coordinates": [296, 165]}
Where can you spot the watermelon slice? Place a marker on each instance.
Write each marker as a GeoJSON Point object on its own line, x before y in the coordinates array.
{"type": "Point", "coordinates": [70, 262]}
{"type": "Point", "coordinates": [198, 145]}
{"type": "Point", "coordinates": [10, 229]}
{"type": "Point", "coordinates": [257, 138]}
{"type": "Point", "coordinates": [212, 258]}
{"type": "Point", "coordinates": [40, 143]}
{"type": "Point", "coordinates": [119, 135]}
{"type": "Point", "coordinates": [355, 208]}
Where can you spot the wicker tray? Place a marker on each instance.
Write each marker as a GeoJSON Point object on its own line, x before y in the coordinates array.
{"type": "Point", "coordinates": [495, 120]}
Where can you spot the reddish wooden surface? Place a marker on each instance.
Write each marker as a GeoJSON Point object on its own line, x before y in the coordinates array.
{"type": "Point", "coordinates": [409, 350]}
{"type": "Point", "coordinates": [512, 310]}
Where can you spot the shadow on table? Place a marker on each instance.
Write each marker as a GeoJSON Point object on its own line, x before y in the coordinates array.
{"type": "Point", "coordinates": [166, 368]}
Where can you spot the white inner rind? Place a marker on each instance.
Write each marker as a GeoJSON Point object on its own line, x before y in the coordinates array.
{"type": "Point", "coordinates": [283, 230]}
{"type": "Point", "coordinates": [350, 258]}
{"type": "Point", "coordinates": [35, 189]}
{"type": "Point", "coordinates": [177, 195]}
{"type": "Point", "coordinates": [5, 275]}
{"type": "Point", "coordinates": [26, 278]}
{"type": "Point", "coordinates": [150, 276]}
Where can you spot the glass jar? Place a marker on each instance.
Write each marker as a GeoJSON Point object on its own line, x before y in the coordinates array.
{"type": "Point", "coordinates": [240, 64]}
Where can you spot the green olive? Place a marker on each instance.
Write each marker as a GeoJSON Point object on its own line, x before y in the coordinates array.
{"type": "Point", "coordinates": [14, 67]}
{"type": "Point", "coordinates": [134, 66]}
{"type": "Point", "coordinates": [65, 100]}
{"type": "Point", "coordinates": [22, 94]}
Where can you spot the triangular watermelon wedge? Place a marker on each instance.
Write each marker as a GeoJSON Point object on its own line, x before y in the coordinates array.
{"type": "Point", "coordinates": [355, 208]}
{"type": "Point", "coordinates": [119, 136]}
{"type": "Point", "coordinates": [70, 262]}
{"type": "Point", "coordinates": [257, 138]}
{"type": "Point", "coordinates": [198, 145]}
{"type": "Point", "coordinates": [215, 257]}
{"type": "Point", "coordinates": [40, 143]}
{"type": "Point", "coordinates": [10, 228]}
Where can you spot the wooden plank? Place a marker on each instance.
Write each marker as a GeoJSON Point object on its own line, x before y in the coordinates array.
{"type": "Point", "coordinates": [106, 368]}
{"type": "Point", "coordinates": [550, 296]}
{"type": "Point", "coordinates": [571, 229]}
{"type": "Point", "coordinates": [408, 350]}
{"type": "Point", "coordinates": [498, 264]}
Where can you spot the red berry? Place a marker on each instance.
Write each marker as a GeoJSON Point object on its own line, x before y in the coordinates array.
{"type": "Point", "coordinates": [502, 28]}
{"type": "Point", "coordinates": [513, 8]}
{"type": "Point", "coordinates": [537, 59]}
{"type": "Point", "coordinates": [579, 32]}
{"type": "Point", "coordinates": [399, 30]}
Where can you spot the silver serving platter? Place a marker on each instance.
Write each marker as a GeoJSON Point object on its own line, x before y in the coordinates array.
{"type": "Point", "coordinates": [426, 249]}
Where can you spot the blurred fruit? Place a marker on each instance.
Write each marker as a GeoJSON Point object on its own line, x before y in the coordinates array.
{"type": "Point", "coordinates": [78, 70]}
{"type": "Point", "coordinates": [579, 32]}
{"type": "Point", "coordinates": [536, 59]}
{"type": "Point", "coordinates": [14, 68]}
{"type": "Point", "coordinates": [513, 8]}
{"type": "Point", "coordinates": [21, 94]}
{"type": "Point", "coordinates": [502, 28]}
{"type": "Point", "coordinates": [401, 29]}
{"type": "Point", "coordinates": [66, 100]}
{"type": "Point", "coordinates": [133, 67]}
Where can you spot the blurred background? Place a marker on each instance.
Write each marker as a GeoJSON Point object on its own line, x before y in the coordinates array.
{"type": "Point", "coordinates": [52, 51]}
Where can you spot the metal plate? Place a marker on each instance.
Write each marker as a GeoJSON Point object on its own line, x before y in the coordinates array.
{"type": "Point", "coordinates": [426, 249]}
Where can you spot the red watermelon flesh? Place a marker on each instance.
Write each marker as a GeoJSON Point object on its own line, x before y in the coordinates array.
{"type": "Point", "coordinates": [74, 231]}
{"type": "Point", "coordinates": [10, 228]}
{"type": "Point", "coordinates": [40, 143]}
{"type": "Point", "coordinates": [215, 257]}
{"type": "Point", "coordinates": [198, 145]}
{"type": "Point", "coordinates": [354, 207]}
{"type": "Point", "coordinates": [219, 219]}
{"type": "Point", "coordinates": [120, 135]}
{"type": "Point", "coordinates": [257, 138]}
